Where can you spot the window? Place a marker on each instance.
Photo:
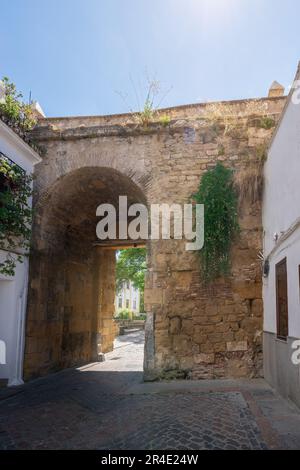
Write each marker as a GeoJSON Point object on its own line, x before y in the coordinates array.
{"type": "Point", "coordinates": [120, 302]}
{"type": "Point", "coordinates": [128, 285]}
{"type": "Point", "coordinates": [282, 300]}
{"type": "Point", "coordinates": [134, 305]}
{"type": "Point", "coordinates": [127, 303]}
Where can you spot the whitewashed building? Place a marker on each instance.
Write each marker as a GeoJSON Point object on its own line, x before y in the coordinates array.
{"type": "Point", "coordinates": [281, 223]}
{"type": "Point", "coordinates": [13, 290]}
{"type": "Point", "coordinates": [128, 298]}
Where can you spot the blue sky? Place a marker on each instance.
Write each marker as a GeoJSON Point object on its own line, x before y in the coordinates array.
{"type": "Point", "coordinates": [76, 56]}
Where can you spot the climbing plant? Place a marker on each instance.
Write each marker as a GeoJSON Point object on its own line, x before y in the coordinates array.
{"type": "Point", "coordinates": [217, 193]}
{"type": "Point", "coordinates": [15, 214]}
{"type": "Point", "coordinates": [13, 110]}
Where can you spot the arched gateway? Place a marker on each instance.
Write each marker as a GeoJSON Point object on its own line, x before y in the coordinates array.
{"type": "Point", "coordinates": [191, 329]}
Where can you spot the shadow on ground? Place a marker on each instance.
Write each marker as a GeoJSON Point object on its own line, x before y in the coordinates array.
{"type": "Point", "coordinates": [107, 406]}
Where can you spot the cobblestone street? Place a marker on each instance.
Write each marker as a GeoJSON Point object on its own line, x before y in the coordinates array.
{"type": "Point", "coordinates": [107, 406]}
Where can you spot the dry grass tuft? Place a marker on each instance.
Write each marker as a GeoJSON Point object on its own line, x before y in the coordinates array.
{"type": "Point", "coordinates": [249, 182]}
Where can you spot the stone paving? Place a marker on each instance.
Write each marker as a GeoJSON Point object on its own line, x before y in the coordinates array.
{"type": "Point", "coordinates": [107, 406]}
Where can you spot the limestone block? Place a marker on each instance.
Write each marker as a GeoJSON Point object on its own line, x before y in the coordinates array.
{"type": "Point", "coordinates": [204, 358]}
{"type": "Point", "coordinates": [237, 346]}
{"type": "Point", "coordinates": [248, 290]}
{"type": "Point", "coordinates": [153, 296]}
{"type": "Point", "coordinates": [175, 326]}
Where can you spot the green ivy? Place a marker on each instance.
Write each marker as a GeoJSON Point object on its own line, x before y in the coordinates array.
{"type": "Point", "coordinates": [15, 214]}
{"type": "Point", "coordinates": [220, 199]}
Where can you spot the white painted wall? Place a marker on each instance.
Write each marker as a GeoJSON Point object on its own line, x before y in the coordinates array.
{"type": "Point", "coordinates": [132, 295]}
{"type": "Point", "coordinates": [290, 249]}
{"type": "Point", "coordinates": [13, 290]}
{"type": "Point", "coordinates": [281, 210]}
{"type": "Point", "coordinates": [13, 296]}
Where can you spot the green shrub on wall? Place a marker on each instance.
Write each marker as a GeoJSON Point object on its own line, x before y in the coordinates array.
{"type": "Point", "coordinates": [13, 110]}
{"type": "Point", "coordinates": [220, 199]}
{"type": "Point", "coordinates": [15, 214]}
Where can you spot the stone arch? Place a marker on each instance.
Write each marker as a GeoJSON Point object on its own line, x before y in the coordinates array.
{"type": "Point", "coordinates": [71, 292]}
{"type": "Point", "coordinates": [66, 158]}
{"type": "Point", "coordinates": [192, 330]}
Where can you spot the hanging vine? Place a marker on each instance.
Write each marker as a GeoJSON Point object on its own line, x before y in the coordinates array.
{"type": "Point", "coordinates": [15, 214]}
{"type": "Point", "coordinates": [220, 199]}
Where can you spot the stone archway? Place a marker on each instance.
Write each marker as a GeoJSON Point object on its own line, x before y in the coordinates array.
{"type": "Point", "coordinates": [72, 292]}
{"type": "Point", "coordinates": [192, 330]}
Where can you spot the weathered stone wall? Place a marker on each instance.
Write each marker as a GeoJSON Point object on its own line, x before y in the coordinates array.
{"type": "Point", "coordinates": [107, 328]}
{"type": "Point", "coordinates": [215, 331]}
{"type": "Point", "coordinates": [70, 315]}
{"type": "Point", "coordinates": [59, 317]}
{"type": "Point", "coordinates": [192, 330]}
{"type": "Point", "coordinates": [72, 283]}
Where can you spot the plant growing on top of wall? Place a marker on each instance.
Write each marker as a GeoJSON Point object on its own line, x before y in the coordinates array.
{"type": "Point", "coordinates": [147, 114]}
{"type": "Point", "coordinates": [149, 108]}
{"type": "Point", "coordinates": [165, 120]}
{"type": "Point", "coordinates": [13, 110]}
{"type": "Point", "coordinates": [217, 193]}
{"type": "Point", "coordinates": [148, 101]}
{"type": "Point", "coordinates": [15, 214]}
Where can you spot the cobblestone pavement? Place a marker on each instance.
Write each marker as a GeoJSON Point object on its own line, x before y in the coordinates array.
{"type": "Point", "coordinates": [107, 406]}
